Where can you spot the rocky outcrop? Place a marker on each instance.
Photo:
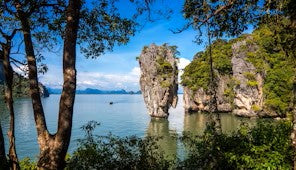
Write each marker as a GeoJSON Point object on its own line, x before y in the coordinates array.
{"type": "Point", "coordinates": [240, 92]}
{"type": "Point", "coordinates": [159, 79]}
{"type": "Point", "coordinates": [199, 100]}
{"type": "Point", "coordinates": [248, 100]}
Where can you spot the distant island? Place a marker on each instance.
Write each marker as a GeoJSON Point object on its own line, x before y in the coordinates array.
{"type": "Point", "coordinates": [94, 91]}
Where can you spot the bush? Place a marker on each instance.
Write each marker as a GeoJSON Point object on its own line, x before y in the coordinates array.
{"type": "Point", "coordinates": [113, 152]}
{"type": "Point", "coordinates": [252, 83]}
{"type": "Point", "coordinates": [28, 164]}
{"type": "Point", "coordinates": [265, 146]}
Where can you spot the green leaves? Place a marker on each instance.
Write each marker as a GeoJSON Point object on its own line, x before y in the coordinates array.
{"type": "Point", "coordinates": [113, 152]}
{"type": "Point", "coordinates": [265, 146]}
{"type": "Point", "coordinates": [102, 27]}
{"type": "Point", "coordinates": [197, 73]}
{"type": "Point", "coordinates": [224, 17]}
{"type": "Point", "coordinates": [274, 59]}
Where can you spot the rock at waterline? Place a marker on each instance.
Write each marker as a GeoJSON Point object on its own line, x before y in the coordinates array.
{"type": "Point", "coordinates": [159, 79]}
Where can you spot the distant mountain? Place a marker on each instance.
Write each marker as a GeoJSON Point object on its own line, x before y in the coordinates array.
{"type": "Point", "coordinates": [54, 91]}
{"type": "Point", "coordinates": [94, 91]}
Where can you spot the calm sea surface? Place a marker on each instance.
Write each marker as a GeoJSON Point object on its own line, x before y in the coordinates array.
{"type": "Point", "coordinates": [127, 116]}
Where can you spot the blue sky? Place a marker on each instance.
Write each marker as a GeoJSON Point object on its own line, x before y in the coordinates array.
{"type": "Point", "coordinates": [119, 69]}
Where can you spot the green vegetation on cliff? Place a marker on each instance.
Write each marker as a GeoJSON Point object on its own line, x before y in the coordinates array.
{"type": "Point", "coordinates": [165, 70]}
{"type": "Point", "coordinates": [197, 73]}
{"type": "Point", "coordinates": [275, 59]}
{"type": "Point", "coordinates": [272, 54]}
{"type": "Point", "coordinates": [20, 86]}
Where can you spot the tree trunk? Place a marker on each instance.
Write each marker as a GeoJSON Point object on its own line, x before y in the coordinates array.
{"type": "Point", "coordinates": [3, 160]}
{"type": "Point", "coordinates": [53, 148]}
{"type": "Point", "coordinates": [215, 116]}
{"type": "Point", "coordinates": [61, 139]}
{"type": "Point", "coordinates": [8, 72]}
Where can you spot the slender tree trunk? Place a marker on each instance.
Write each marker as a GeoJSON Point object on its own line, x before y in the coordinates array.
{"type": "Point", "coordinates": [215, 116]}
{"type": "Point", "coordinates": [53, 148]}
{"type": "Point", "coordinates": [3, 160]}
{"type": "Point", "coordinates": [44, 138]}
{"type": "Point", "coordinates": [8, 72]}
{"type": "Point", "coordinates": [62, 137]}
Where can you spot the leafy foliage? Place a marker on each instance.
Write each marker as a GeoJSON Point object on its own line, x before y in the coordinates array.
{"type": "Point", "coordinates": [265, 146]}
{"type": "Point", "coordinates": [113, 152]}
{"type": "Point", "coordinates": [232, 17]}
{"type": "Point", "coordinates": [102, 27]}
{"type": "Point", "coordinates": [28, 164]}
{"type": "Point", "coordinates": [220, 16]}
{"type": "Point", "coordinates": [275, 59]}
{"type": "Point", "coordinates": [229, 91]}
{"type": "Point", "coordinates": [20, 86]}
{"type": "Point", "coordinates": [197, 73]}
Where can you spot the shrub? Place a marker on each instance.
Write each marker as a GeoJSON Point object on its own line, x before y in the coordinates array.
{"type": "Point", "coordinates": [252, 83]}
{"type": "Point", "coordinates": [266, 146]}
{"type": "Point", "coordinates": [273, 59]}
{"type": "Point", "coordinates": [113, 152]}
{"type": "Point", "coordinates": [250, 76]}
{"type": "Point", "coordinates": [256, 108]}
{"type": "Point", "coordinates": [28, 164]}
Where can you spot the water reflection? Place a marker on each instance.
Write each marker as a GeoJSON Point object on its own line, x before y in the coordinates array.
{"type": "Point", "coordinates": [196, 122]}
{"type": "Point", "coordinates": [168, 141]}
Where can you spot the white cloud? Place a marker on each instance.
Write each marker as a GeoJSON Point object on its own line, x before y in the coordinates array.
{"type": "Point", "coordinates": [136, 71]}
{"type": "Point", "coordinates": [103, 81]}
{"type": "Point", "coordinates": [98, 80]}
{"type": "Point", "coordinates": [182, 63]}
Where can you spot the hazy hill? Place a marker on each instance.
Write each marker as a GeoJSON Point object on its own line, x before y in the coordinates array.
{"type": "Point", "coordinates": [94, 91]}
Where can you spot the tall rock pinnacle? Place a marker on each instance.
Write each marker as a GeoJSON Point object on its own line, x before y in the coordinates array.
{"type": "Point", "coordinates": [159, 79]}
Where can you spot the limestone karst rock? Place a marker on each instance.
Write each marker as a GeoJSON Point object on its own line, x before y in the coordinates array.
{"type": "Point", "coordinates": [250, 81]}
{"type": "Point", "coordinates": [159, 79]}
{"type": "Point", "coordinates": [247, 96]}
{"type": "Point", "coordinates": [234, 94]}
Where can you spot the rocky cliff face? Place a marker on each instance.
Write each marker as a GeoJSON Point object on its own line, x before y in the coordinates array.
{"type": "Point", "coordinates": [240, 92]}
{"type": "Point", "coordinates": [199, 100]}
{"type": "Point", "coordinates": [159, 79]}
{"type": "Point", "coordinates": [253, 77]}
{"type": "Point", "coordinates": [248, 100]}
